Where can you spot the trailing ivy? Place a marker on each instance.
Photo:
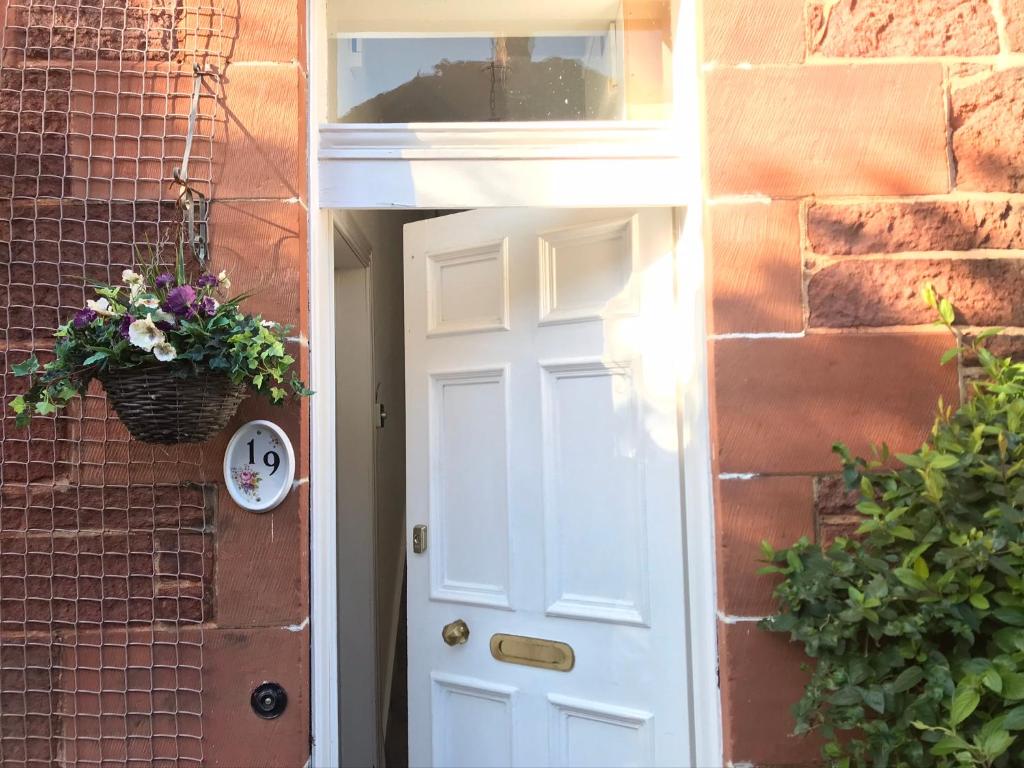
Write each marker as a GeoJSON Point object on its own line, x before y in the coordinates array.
{"type": "Point", "coordinates": [916, 624]}
{"type": "Point", "coordinates": [160, 320]}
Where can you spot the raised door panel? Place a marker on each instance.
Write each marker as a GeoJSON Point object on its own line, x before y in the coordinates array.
{"type": "Point", "coordinates": [473, 722]}
{"type": "Point", "coordinates": [587, 271]}
{"type": "Point", "coordinates": [469, 558]}
{"type": "Point", "coordinates": [594, 515]}
{"type": "Point", "coordinates": [467, 289]}
{"type": "Point", "coordinates": [588, 734]}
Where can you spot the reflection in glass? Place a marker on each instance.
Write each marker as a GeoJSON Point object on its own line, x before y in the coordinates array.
{"type": "Point", "coordinates": [478, 79]}
{"type": "Point", "coordinates": [409, 61]}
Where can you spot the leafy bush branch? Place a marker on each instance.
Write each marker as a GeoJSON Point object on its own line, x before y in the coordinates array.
{"type": "Point", "coordinates": [916, 624]}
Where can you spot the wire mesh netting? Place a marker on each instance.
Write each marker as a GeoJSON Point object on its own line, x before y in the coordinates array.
{"type": "Point", "coordinates": [106, 554]}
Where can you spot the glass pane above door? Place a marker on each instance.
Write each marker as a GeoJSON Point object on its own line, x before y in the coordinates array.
{"type": "Point", "coordinates": [610, 62]}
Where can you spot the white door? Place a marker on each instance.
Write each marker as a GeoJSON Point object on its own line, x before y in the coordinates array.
{"type": "Point", "coordinates": [543, 457]}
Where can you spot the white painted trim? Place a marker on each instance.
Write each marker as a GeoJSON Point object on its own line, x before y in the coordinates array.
{"type": "Point", "coordinates": [694, 399]}
{"type": "Point", "coordinates": [375, 171]}
{"type": "Point", "coordinates": [323, 604]}
{"type": "Point", "coordinates": [595, 140]}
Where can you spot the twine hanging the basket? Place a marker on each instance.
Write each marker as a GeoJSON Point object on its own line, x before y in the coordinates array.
{"type": "Point", "coordinates": [155, 402]}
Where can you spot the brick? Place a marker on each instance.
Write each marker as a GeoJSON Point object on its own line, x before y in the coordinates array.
{"type": "Point", "coordinates": [111, 508]}
{"type": "Point", "coordinates": [777, 38]}
{"type": "Point", "coordinates": [887, 292]}
{"type": "Point", "coordinates": [39, 452]}
{"type": "Point", "coordinates": [29, 722]}
{"type": "Point", "coordinates": [254, 30]}
{"type": "Point", "coordinates": [270, 547]}
{"type": "Point", "coordinates": [261, 152]}
{"type": "Point", "coordinates": [988, 134]}
{"type": "Point", "coordinates": [118, 30]}
{"type": "Point", "coordinates": [121, 682]}
{"type": "Point", "coordinates": [263, 247]}
{"type": "Point", "coordinates": [782, 403]}
{"type": "Point", "coordinates": [932, 225]}
{"type": "Point", "coordinates": [835, 509]}
{"type": "Point", "coordinates": [55, 249]}
{"type": "Point", "coordinates": [756, 274]}
{"type": "Point", "coordinates": [235, 662]}
{"type": "Point", "coordinates": [761, 680]}
{"type": "Point", "coordinates": [1004, 345]}
{"type": "Point", "coordinates": [131, 696]}
{"type": "Point", "coordinates": [773, 509]}
{"type": "Point", "coordinates": [868, 28]}
{"type": "Point", "coordinates": [107, 456]}
{"type": "Point", "coordinates": [1013, 12]}
{"type": "Point", "coordinates": [91, 578]}
{"type": "Point", "coordinates": [127, 131]}
{"type": "Point", "coordinates": [33, 125]}
{"type": "Point", "coordinates": [835, 130]}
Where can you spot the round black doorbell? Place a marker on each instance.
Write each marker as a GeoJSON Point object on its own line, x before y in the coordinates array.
{"type": "Point", "coordinates": [268, 700]}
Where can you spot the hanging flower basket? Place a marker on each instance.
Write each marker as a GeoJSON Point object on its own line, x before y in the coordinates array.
{"type": "Point", "coordinates": [176, 356]}
{"type": "Point", "coordinates": [158, 407]}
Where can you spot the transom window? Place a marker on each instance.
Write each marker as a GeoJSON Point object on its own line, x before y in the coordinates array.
{"type": "Point", "coordinates": [473, 61]}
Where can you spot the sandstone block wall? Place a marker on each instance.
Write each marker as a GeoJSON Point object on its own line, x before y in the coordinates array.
{"type": "Point", "coordinates": [856, 150]}
{"type": "Point", "coordinates": [138, 605]}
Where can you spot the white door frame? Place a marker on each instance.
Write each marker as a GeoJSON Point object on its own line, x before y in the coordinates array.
{"type": "Point", "coordinates": [567, 165]}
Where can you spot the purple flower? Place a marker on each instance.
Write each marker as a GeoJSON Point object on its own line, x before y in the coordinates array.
{"type": "Point", "coordinates": [209, 306]}
{"type": "Point", "coordinates": [180, 300]}
{"type": "Point", "coordinates": [207, 281]}
{"type": "Point", "coordinates": [164, 325]}
{"type": "Point", "coordinates": [83, 317]}
{"type": "Point", "coordinates": [165, 280]}
{"type": "Point", "coordinates": [122, 327]}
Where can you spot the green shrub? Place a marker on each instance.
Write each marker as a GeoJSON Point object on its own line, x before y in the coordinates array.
{"type": "Point", "coordinates": [916, 625]}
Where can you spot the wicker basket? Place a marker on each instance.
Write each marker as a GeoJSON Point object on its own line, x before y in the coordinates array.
{"type": "Point", "coordinates": [159, 408]}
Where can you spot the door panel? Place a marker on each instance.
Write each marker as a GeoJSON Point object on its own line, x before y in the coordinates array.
{"type": "Point", "coordinates": [542, 452]}
{"type": "Point", "coordinates": [469, 484]}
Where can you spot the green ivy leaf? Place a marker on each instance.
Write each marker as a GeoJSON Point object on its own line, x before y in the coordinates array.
{"type": "Point", "coordinates": [45, 408]}
{"type": "Point", "coordinates": [26, 368]}
{"type": "Point", "coordinates": [95, 358]}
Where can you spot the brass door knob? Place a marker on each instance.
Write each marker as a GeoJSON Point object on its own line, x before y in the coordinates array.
{"type": "Point", "coordinates": [455, 633]}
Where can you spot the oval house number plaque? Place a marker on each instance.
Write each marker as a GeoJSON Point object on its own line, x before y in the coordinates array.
{"type": "Point", "coordinates": [259, 466]}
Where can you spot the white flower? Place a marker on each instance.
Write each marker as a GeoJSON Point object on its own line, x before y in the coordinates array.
{"type": "Point", "coordinates": [100, 306]}
{"type": "Point", "coordinates": [151, 303]}
{"type": "Point", "coordinates": [163, 317]}
{"type": "Point", "coordinates": [223, 282]}
{"type": "Point", "coordinates": [131, 278]}
{"type": "Point", "coordinates": [267, 323]}
{"type": "Point", "coordinates": [144, 334]}
{"type": "Point", "coordinates": [164, 351]}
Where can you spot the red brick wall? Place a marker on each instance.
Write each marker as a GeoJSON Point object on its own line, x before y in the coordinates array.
{"type": "Point", "coordinates": [856, 150]}
{"type": "Point", "coordinates": [138, 605]}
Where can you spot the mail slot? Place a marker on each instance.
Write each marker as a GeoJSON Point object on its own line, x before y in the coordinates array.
{"type": "Point", "coordinates": [533, 652]}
